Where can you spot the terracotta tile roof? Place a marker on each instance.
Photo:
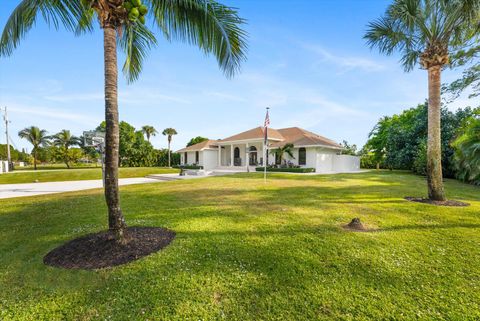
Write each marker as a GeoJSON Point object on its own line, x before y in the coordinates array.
{"type": "Point", "coordinates": [255, 133]}
{"type": "Point", "coordinates": [293, 135]}
{"type": "Point", "coordinates": [301, 137]}
{"type": "Point", "coordinates": [200, 146]}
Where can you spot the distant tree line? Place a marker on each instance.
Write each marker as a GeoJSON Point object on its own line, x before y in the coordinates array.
{"type": "Point", "coordinates": [63, 147]}
{"type": "Point", "coordinates": [400, 142]}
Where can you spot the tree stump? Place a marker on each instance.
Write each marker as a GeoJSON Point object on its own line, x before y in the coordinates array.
{"type": "Point", "coordinates": [356, 224]}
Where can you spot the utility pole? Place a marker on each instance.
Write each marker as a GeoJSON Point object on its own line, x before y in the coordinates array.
{"type": "Point", "coordinates": [5, 118]}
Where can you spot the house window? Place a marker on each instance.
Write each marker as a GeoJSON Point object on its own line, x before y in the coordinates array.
{"type": "Point", "coordinates": [197, 157]}
{"type": "Point", "coordinates": [302, 156]}
{"type": "Point", "coordinates": [186, 158]}
{"type": "Point", "coordinates": [236, 152]}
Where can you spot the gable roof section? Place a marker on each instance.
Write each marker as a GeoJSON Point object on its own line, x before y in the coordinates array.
{"type": "Point", "coordinates": [301, 137]}
{"type": "Point", "coordinates": [292, 135]}
{"type": "Point", "coordinates": [199, 147]}
{"type": "Point", "coordinates": [255, 133]}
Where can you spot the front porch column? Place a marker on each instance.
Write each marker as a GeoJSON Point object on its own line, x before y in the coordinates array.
{"type": "Point", "coordinates": [231, 155]}
{"type": "Point", "coordinates": [219, 156]}
{"type": "Point", "coordinates": [246, 155]}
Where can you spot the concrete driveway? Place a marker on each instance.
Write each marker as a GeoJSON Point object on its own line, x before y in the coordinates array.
{"type": "Point", "coordinates": [31, 189]}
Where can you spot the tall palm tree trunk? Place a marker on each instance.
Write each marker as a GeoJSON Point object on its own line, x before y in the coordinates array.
{"type": "Point", "coordinates": [434, 150]}
{"type": "Point", "coordinates": [34, 158]}
{"type": "Point", "coordinates": [116, 222]}
{"type": "Point", "coordinates": [169, 141]}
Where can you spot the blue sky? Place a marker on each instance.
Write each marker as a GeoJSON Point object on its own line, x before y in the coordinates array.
{"type": "Point", "coordinates": [306, 60]}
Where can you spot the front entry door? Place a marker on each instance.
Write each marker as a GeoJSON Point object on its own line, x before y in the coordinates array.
{"type": "Point", "coordinates": [253, 158]}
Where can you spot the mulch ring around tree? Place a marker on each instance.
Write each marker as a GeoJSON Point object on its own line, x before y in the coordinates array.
{"type": "Point", "coordinates": [100, 250]}
{"type": "Point", "coordinates": [437, 203]}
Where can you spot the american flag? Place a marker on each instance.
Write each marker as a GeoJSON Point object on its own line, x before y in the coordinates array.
{"type": "Point", "coordinates": [266, 124]}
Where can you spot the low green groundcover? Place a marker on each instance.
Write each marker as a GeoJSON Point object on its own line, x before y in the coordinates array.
{"type": "Point", "coordinates": [287, 170]}
{"type": "Point", "coordinates": [188, 166]}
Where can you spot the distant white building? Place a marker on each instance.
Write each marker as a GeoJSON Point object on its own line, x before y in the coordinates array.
{"type": "Point", "coordinates": [246, 149]}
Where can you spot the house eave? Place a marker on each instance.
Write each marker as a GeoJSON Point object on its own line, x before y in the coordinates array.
{"type": "Point", "coordinates": [252, 140]}
{"type": "Point", "coordinates": [316, 145]}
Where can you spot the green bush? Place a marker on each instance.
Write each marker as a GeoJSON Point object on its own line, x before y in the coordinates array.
{"type": "Point", "coordinates": [370, 161]}
{"type": "Point", "coordinates": [420, 161]}
{"type": "Point", "coordinates": [188, 166]}
{"type": "Point", "coordinates": [286, 170]}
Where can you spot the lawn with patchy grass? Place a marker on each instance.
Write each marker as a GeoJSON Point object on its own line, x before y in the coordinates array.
{"type": "Point", "coordinates": [246, 250]}
{"type": "Point", "coordinates": [77, 174]}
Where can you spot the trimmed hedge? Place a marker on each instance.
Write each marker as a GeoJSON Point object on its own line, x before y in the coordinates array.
{"type": "Point", "coordinates": [287, 170]}
{"type": "Point", "coordinates": [188, 166]}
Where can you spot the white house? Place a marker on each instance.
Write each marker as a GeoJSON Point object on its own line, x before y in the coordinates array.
{"type": "Point", "coordinates": [247, 149]}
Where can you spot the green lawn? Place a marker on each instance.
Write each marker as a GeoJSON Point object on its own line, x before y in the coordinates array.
{"type": "Point", "coordinates": [55, 166]}
{"type": "Point", "coordinates": [246, 250]}
{"type": "Point", "coordinates": [76, 174]}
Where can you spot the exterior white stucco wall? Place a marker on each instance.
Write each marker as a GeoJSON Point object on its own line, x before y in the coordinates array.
{"type": "Point", "coordinates": [209, 159]}
{"type": "Point", "coordinates": [190, 158]}
{"type": "Point", "coordinates": [346, 163]}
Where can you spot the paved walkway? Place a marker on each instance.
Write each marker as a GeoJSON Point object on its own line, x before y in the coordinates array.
{"type": "Point", "coordinates": [31, 189]}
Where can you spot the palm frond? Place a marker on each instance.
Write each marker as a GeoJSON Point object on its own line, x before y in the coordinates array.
{"type": "Point", "coordinates": [213, 27]}
{"type": "Point", "coordinates": [54, 12]}
{"type": "Point", "coordinates": [413, 26]}
{"type": "Point", "coordinates": [136, 41]}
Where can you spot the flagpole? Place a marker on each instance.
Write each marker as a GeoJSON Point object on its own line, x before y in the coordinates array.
{"type": "Point", "coordinates": [265, 147]}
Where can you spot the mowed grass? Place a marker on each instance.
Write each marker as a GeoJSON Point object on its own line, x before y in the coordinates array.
{"type": "Point", "coordinates": [76, 174]}
{"type": "Point", "coordinates": [246, 250]}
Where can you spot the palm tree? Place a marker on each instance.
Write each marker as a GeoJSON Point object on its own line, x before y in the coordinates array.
{"type": "Point", "coordinates": [426, 32]}
{"type": "Point", "coordinates": [64, 140]}
{"type": "Point", "coordinates": [169, 132]}
{"type": "Point", "coordinates": [280, 151]}
{"type": "Point", "coordinates": [213, 27]}
{"type": "Point", "coordinates": [149, 131]}
{"type": "Point", "coordinates": [37, 137]}
{"type": "Point", "coordinates": [467, 152]}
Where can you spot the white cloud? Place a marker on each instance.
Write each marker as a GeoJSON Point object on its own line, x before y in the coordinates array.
{"type": "Point", "coordinates": [76, 97]}
{"type": "Point", "coordinates": [223, 96]}
{"type": "Point", "coordinates": [52, 113]}
{"type": "Point", "coordinates": [345, 62]}
{"type": "Point", "coordinates": [148, 96]}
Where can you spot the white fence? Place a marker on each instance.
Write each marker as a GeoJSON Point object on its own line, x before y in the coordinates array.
{"type": "Point", "coordinates": [346, 163]}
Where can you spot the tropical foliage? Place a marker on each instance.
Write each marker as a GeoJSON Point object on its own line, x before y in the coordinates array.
{"type": "Point", "coordinates": [64, 140]}
{"type": "Point", "coordinates": [162, 158]}
{"type": "Point", "coordinates": [427, 33]}
{"type": "Point", "coordinates": [37, 137]}
{"type": "Point", "coordinates": [281, 151]}
{"type": "Point", "coordinates": [16, 155]}
{"type": "Point", "coordinates": [136, 151]}
{"type": "Point", "coordinates": [169, 132]}
{"type": "Point", "coordinates": [399, 141]}
{"type": "Point", "coordinates": [348, 149]}
{"type": "Point", "coordinates": [213, 27]}
{"type": "Point", "coordinates": [196, 140]}
{"type": "Point", "coordinates": [467, 153]}
{"type": "Point", "coordinates": [149, 131]}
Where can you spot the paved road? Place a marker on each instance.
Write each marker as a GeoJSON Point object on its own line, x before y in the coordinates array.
{"type": "Point", "coordinates": [31, 189]}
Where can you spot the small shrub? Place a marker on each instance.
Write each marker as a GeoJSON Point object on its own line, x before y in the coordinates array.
{"type": "Point", "coordinates": [287, 170]}
{"type": "Point", "coordinates": [188, 166]}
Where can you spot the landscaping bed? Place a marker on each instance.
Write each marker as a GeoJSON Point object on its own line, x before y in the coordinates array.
{"type": "Point", "coordinates": [100, 250]}
{"type": "Point", "coordinates": [188, 166]}
{"type": "Point", "coordinates": [286, 170]}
